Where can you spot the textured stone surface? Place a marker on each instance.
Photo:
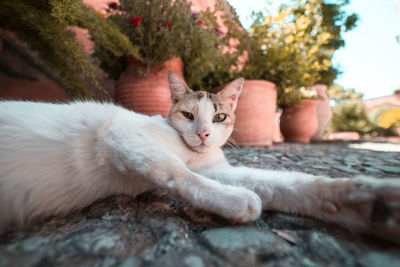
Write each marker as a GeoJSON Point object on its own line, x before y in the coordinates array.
{"type": "Point", "coordinates": [163, 231]}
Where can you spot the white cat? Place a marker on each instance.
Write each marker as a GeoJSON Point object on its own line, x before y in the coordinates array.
{"type": "Point", "coordinates": [55, 158]}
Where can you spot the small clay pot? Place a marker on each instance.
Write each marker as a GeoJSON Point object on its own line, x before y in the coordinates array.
{"type": "Point", "coordinates": [143, 92]}
{"type": "Point", "coordinates": [299, 122]}
{"type": "Point", "coordinates": [323, 109]}
{"type": "Point", "coordinates": [255, 123]}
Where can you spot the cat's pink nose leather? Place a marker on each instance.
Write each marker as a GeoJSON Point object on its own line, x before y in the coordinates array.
{"type": "Point", "coordinates": [203, 135]}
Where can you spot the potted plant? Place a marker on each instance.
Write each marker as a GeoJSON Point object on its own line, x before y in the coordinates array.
{"type": "Point", "coordinates": [255, 123]}
{"type": "Point", "coordinates": [299, 121]}
{"type": "Point", "coordinates": [293, 49]}
{"type": "Point", "coordinates": [168, 36]}
{"type": "Point", "coordinates": [289, 50]}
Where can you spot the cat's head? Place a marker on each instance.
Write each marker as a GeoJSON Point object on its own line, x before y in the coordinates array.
{"type": "Point", "coordinates": [204, 120]}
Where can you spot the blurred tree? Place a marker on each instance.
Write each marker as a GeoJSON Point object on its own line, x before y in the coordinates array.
{"type": "Point", "coordinates": [338, 94]}
{"type": "Point", "coordinates": [350, 116]}
{"type": "Point", "coordinates": [390, 118]}
{"type": "Point", "coordinates": [294, 48]}
{"type": "Point", "coordinates": [335, 21]}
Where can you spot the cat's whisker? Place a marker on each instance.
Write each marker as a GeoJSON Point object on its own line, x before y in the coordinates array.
{"type": "Point", "coordinates": [232, 144]}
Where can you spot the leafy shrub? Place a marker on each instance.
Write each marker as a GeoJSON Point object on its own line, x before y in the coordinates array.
{"type": "Point", "coordinates": [352, 116]}
{"type": "Point", "coordinates": [43, 25]}
{"type": "Point", "coordinates": [294, 48]}
{"type": "Point", "coordinates": [163, 29]}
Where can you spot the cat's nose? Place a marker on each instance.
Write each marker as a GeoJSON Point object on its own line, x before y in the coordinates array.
{"type": "Point", "coordinates": [203, 134]}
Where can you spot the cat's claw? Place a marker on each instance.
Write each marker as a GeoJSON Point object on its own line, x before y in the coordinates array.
{"type": "Point", "coordinates": [366, 204]}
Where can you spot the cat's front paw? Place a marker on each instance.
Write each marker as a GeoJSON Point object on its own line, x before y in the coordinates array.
{"type": "Point", "coordinates": [367, 205]}
{"type": "Point", "coordinates": [252, 207]}
{"type": "Point", "coordinates": [238, 204]}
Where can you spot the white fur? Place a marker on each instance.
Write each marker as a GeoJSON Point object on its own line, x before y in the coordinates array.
{"type": "Point", "coordinates": [55, 158]}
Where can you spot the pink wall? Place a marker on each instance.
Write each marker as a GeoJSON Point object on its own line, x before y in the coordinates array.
{"type": "Point", "coordinates": [390, 99]}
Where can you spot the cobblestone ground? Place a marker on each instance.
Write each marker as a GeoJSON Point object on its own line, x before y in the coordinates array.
{"type": "Point", "coordinates": [162, 231]}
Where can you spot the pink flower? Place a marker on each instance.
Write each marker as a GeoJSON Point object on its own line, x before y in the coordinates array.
{"type": "Point", "coordinates": [218, 31]}
{"type": "Point", "coordinates": [194, 15]}
{"type": "Point", "coordinates": [136, 20]}
{"type": "Point", "coordinates": [159, 28]}
{"type": "Point", "coordinates": [200, 21]}
{"type": "Point", "coordinates": [112, 5]}
{"type": "Point", "coordinates": [168, 25]}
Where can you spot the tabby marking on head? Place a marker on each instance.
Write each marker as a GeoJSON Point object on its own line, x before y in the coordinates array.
{"type": "Point", "coordinates": [204, 120]}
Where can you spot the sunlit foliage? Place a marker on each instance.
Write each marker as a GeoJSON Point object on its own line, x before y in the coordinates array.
{"type": "Point", "coordinates": [294, 47]}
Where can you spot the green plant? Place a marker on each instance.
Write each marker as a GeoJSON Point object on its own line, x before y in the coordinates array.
{"type": "Point", "coordinates": [352, 116]}
{"type": "Point", "coordinates": [163, 29]}
{"type": "Point", "coordinates": [43, 25]}
{"type": "Point", "coordinates": [385, 115]}
{"type": "Point", "coordinates": [338, 94]}
{"type": "Point", "coordinates": [294, 47]}
{"type": "Point", "coordinates": [390, 118]}
{"type": "Point", "coordinates": [335, 20]}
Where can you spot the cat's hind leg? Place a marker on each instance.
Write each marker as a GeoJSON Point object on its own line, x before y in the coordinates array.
{"type": "Point", "coordinates": [142, 159]}
{"type": "Point", "coordinates": [360, 204]}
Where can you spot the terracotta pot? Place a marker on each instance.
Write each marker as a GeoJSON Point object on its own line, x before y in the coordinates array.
{"type": "Point", "coordinates": [299, 122]}
{"type": "Point", "coordinates": [40, 89]}
{"type": "Point", "coordinates": [147, 94]}
{"type": "Point", "coordinates": [344, 136]}
{"type": "Point", "coordinates": [277, 132]}
{"type": "Point", "coordinates": [36, 86]}
{"type": "Point", "coordinates": [255, 114]}
{"type": "Point", "coordinates": [323, 109]}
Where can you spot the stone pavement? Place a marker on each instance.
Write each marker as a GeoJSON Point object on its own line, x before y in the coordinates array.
{"type": "Point", "coordinates": [163, 231]}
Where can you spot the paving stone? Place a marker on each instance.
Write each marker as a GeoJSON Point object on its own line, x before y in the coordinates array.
{"type": "Point", "coordinates": [238, 238]}
{"type": "Point", "coordinates": [183, 259]}
{"type": "Point", "coordinates": [345, 169]}
{"type": "Point", "coordinates": [243, 246]}
{"type": "Point", "coordinates": [391, 160]}
{"type": "Point", "coordinates": [130, 262]}
{"type": "Point", "coordinates": [373, 259]}
{"type": "Point", "coordinates": [321, 167]}
{"type": "Point", "coordinates": [390, 169]}
{"type": "Point", "coordinates": [325, 249]}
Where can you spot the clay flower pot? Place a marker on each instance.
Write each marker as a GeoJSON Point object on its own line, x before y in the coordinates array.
{"type": "Point", "coordinates": [255, 114]}
{"type": "Point", "coordinates": [147, 94]}
{"type": "Point", "coordinates": [323, 109]}
{"type": "Point", "coordinates": [299, 122]}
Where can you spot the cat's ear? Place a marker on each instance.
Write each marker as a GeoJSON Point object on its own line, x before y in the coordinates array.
{"type": "Point", "coordinates": [231, 92]}
{"type": "Point", "coordinates": [177, 86]}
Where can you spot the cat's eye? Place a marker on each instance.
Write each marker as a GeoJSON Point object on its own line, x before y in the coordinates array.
{"type": "Point", "coordinates": [188, 115]}
{"type": "Point", "coordinates": [220, 117]}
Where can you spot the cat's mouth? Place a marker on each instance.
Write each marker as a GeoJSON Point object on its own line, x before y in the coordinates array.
{"type": "Point", "coordinates": [202, 145]}
{"type": "Point", "coordinates": [200, 148]}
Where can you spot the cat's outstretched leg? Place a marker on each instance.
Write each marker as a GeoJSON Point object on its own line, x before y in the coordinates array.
{"type": "Point", "coordinates": [363, 204]}
{"type": "Point", "coordinates": [142, 159]}
{"type": "Point", "coordinates": [360, 204]}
